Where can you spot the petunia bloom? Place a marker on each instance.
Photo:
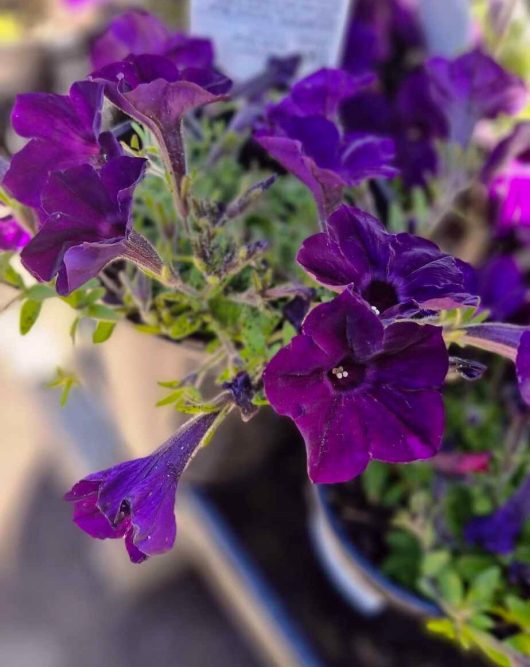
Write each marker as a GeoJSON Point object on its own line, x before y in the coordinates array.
{"type": "Point", "coordinates": [88, 224]}
{"type": "Point", "coordinates": [470, 88]}
{"type": "Point", "coordinates": [359, 391]}
{"type": "Point", "coordinates": [501, 286]}
{"type": "Point", "coordinates": [64, 131]}
{"type": "Point", "coordinates": [301, 134]}
{"type": "Point", "coordinates": [157, 93]}
{"type": "Point", "coordinates": [390, 271]}
{"type": "Point", "coordinates": [137, 32]}
{"type": "Point", "coordinates": [499, 531]}
{"type": "Point", "coordinates": [135, 500]}
{"type": "Point", "coordinates": [12, 235]}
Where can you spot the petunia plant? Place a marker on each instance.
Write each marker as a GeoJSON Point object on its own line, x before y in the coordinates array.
{"type": "Point", "coordinates": [303, 233]}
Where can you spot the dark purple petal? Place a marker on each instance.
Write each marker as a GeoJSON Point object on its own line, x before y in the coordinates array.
{"type": "Point", "coordinates": [293, 377]}
{"type": "Point", "coordinates": [496, 337]}
{"type": "Point", "coordinates": [357, 391]}
{"type": "Point", "coordinates": [136, 499]}
{"type": "Point", "coordinates": [403, 426]}
{"type": "Point", "coordinates": [329, 432]}
{"type": "Point", "coordinates": [388, 270]}
{"type": "Point", "coordinates": [345, 326]}
{"type": "Point", "coordinates": [415, 356]}
{"type": "Point", "coordinates": [499, 531]}
{"type": "Point", "coordinates": [31, 166]}
{"type": "Point", "coordinates": [161, 104]}
{"type": "Point", "coordinates": [321, 93]}
{"type": "Point", "coordinates": [501, 287]}
{"type": "Point", "coordinates": [85, 207]}
{"type": "Point", "coordinates": [325, 185]}
{"type": "Point", "coordinates": [470, 88]}
{"type": "Point", "coordinates": [354, 242]}
{"type": "Point", "coordinates": [65, 133]}
{"type": "Point", "coordinates": [73, 120]}
{"type": "Point", "coordinates": [364, 156]}
{"type": "Point", "coordinates": [134, 31]}
{"type": "Point", "coordinates": [83, 262]}
{"type": "Point", "coordinates": [522, 365]}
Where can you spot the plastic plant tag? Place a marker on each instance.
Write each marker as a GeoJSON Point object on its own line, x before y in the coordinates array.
{"type": "Point", "coordinates": [247, 32]}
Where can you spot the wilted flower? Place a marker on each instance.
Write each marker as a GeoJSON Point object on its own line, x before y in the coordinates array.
{"type": "Point", "coordinates": [470, 88]}
{"type": "Point", "coordinates": [136, 499]}
{"type": "Point", "coordinates": [499, 531]}
{"type": "Point", "coordinates": [88, 222]}
{"type": "Point", "coordinates": [390, 271]}
{"type": "Point", "coordinates": [359, 391]}
{"type": "Point", "coordinates": [64, 132]}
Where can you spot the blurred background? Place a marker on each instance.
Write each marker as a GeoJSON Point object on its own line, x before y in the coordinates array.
{"type": "Point", "coordinates": [243, 586]}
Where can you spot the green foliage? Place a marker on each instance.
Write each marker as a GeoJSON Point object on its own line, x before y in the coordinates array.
{"type": "Point", "coordinates": [64, 381]}
{"type": "Point", "coordinates": [29, 314]}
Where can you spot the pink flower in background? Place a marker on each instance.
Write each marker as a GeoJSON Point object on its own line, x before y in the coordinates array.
{"type": "Point", "coordinates": [12, 235]}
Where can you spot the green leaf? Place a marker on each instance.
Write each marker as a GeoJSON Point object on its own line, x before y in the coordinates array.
{"type": "Point", "coordinates": [487, 644]}
{"type": "Point", "coordinates": [40, 292]}
{"type": "Point", "coordinates": [482, 622]}
{"type": "Point", "coordinates": [484, 586]}
{"type": "Point", "coordinates": [29, 314]}
{"type": "Point", "coordinates": [470, 565]}
{"type": "Point", "coordinates": [519, 611]}
{"type": "Point", "coordinates": [103, 332]}
{"type": "Point", "coordinates": [187, 400]}
{"type": "Point", "coordinates": [100, 312]}
{"type": "Point", "coordinates": [183, 326]}
{"type": "Point", "coordinates": [434, 562]}
{"type": "Point", "coordinates": [64, 381]}
{"type": "Point", "coordinates": [375, 480]}
{"type": "Point", "coordinates": [443, 627]}
{"type": "Point", "coordinates": [520, 642]}
{"type": "Point", "coordinates": [451, 587]}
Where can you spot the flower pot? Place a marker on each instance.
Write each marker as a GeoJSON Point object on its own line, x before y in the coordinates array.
{"type": "Point", "coordinates": [358, 580]}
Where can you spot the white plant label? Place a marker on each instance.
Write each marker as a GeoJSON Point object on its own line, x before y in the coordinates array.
{"type": "Point", "coordinates": [247, 32]}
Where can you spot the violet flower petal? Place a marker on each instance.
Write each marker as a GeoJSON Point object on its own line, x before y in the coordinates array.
{"type": "Point", "coordinates": [135, 499]}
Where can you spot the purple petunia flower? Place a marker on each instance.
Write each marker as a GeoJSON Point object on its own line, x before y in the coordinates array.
{"type": "Point", "coordinates": [64, 132]}
{"type": "Point", "coordinates": [12, 235]}
{"type": "Point", "coordinates": [359, 391]}
{"type": "Point", "coordinates": [390, 271]}
{"type": "Point", "coordinates": [157, 93]}
{"type": "Point", "coordinates": [88, 224]}
{"type": "Point", "coordinates": [319, 94]}
{"type": "Point", "coordinates": [499, 531]}
{"type": "Point", "coordinates": [301, 135]}
{"type": "Point", "coordinates": [137, 32]}
{"type": "Point", "coordinates": [470, 88]}
{"type": "Point", "coordinates": [136, 499]}
{"type": "Point", "coordinates": [501, 286]}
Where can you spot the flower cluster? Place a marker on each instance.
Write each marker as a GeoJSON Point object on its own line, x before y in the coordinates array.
{"type": "Point", "coordinates": [338, 292]}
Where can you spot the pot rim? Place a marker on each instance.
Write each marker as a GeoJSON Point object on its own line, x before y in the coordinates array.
{"type": "Point", "coordinates": [343, 544]}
